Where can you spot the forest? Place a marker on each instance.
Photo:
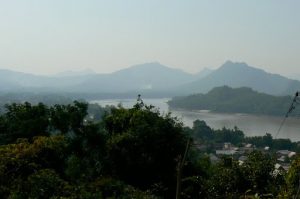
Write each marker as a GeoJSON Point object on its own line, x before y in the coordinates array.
{"type": "Point", "coordinates": [235, 100]}
{"type": "Point", "coordinates": [86, 151]}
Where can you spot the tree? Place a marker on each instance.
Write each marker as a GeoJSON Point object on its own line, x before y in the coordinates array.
{"type": "Point", "coordinates": [24, 159]}
{"type": "Point", "coordinates": [68, 118]}
{"type": "Point", "coordinates": [258, 170]}
{"type": "Point", "coordinates": [24, 121]}
{"type": "Point", "coordinates": [234, 136]}
{"type": "Point", "coordinates": [227, 181]}
{"type": "Point", "coordinates": [143, 146]}
{"type": "Point", "coordinates": [293, 179]}
{"type": "Point", "coordinates": [202, 131]}
{"type": "Point", "coordinates": [88, 153]}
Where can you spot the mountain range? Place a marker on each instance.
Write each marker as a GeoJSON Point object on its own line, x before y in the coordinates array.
{"type": "Point", "coordinates": [238, 75]}
{"type": "Point", "coordinates": [151, 79]}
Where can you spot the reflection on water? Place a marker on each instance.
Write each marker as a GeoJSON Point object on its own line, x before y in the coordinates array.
{"type": "Point", "coordinates": [252, 125]}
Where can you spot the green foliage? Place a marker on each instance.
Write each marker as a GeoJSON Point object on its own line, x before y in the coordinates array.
{"type": "Point", "coordinates": [234, 100]}
{"type": "Point", "coordinates": [201, 130]}
{"type": "Point", "coordinates": [197, 171]}
{"type": "Point", "coordinates": [96, 112]}
{"type": "Point", "coordinates": [111, 188]}
{"type": "Point", "coordinates": [66, 118]}
{"type": "Point", "coordinates": [89, 151]}
{"type": "Point", "coordinates": [293, 178]}
{"type": "Point", "coordinates": [144, 146]}
{"type": "Point", "coordinates": [275, 144]}
{"type": "Point", "coordinates": [227, 181]}
{"type": "Point", "coordinates": [203, 133]}
{"type": "Point", "coordinates": [130, 153]}
{"type": "Point", "coordinates": [234, 136]}
{"type": "Point", "coordinates": [255, 176]}
{"type": "Point", "coordinates": [21, 160]}
{"type": "Point", "coordinates": [46, 183]}
{"type": "Point", "coordinates": [24, 121]}
{"type": "Point", "coordinates": [258, 169]}
{"type": "Point", "coordinates": [194, 187]}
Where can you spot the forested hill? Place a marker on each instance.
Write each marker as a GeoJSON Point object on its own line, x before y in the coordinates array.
{"type": "Point", "coordinates": [234, 100]}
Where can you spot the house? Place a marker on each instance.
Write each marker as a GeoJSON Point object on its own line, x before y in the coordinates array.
{"type": "Point", "coordinates": [282, 158]}
{"type": "Point", "coordinates": [243, 158]}
{"type": "Point", "coordinates": [226, 152]}
{"type": "Point", "coordinates": [291, 154]}
{"type": "Point", "coordinates": [282, 166]}
{"type": "Point", "coordinates": [228, 149]}
{"type": "Point", "coordinates": [283, 152]}
{"type": "Point", "coordinates": [267, 148]}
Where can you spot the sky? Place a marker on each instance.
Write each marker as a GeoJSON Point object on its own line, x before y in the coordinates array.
{"type": "Point", "coordinates": [51, 36]}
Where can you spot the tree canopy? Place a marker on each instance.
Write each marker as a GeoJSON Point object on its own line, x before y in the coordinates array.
{"type": "Point", "coordinates": [61, 152]}
{"type": "Point", "coordinates": [235, 100]}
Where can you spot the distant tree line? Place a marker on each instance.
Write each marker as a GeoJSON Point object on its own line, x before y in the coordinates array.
{"type": "Point", "coordinates": [202, 133]}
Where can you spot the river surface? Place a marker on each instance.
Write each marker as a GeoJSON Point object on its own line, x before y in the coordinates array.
{"type": "Point", "coordinates": [251, 125]}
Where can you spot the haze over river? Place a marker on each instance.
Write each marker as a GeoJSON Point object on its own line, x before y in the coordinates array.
{"type": "Point", "coordinates": [252, 125]}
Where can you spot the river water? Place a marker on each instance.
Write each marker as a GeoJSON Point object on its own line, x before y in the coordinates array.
{"type": "Point", "coordinates": [251, 125]}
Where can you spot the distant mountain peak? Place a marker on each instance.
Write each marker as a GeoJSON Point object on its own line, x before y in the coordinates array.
{"type": "Point", "coordinates": [239, 67]}
{"type": "Point", "coordinates": [228, 62]}
{"type": "Point", "coordinates": [154, 64]}
{"type": "Point", "coordinates": [150, 67]}
{"type": "Point", "coordinates": [240, 74]}
{"type": "Point", "coordinates": [234, 64]}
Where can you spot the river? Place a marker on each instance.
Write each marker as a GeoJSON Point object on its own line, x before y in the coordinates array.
{"type": "Point", "coordinates": [251, 125]}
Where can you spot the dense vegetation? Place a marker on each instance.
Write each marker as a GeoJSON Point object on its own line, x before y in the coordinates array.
{"type": "Point", "coordinates": [239, 100]}
{"type": "Point", "coordinates": [62, 152]}
{"type": "Point", "coordinates": [210, 137]}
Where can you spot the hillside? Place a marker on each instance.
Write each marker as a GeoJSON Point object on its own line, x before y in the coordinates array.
{"type": "Point", "coordinates": [242, 75]}
{"type": "Point", "coordinates": [144, 77]}
{"type": "Point", "coordinates": [13, 81]}
{"type": "Point", "coordinates": [238, 100]}
{"type": "Point", "coordinates": [150, 79]}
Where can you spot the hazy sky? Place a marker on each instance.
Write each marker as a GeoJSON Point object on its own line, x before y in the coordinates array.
{"type": "Point", "coordinates": [48, 36]}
